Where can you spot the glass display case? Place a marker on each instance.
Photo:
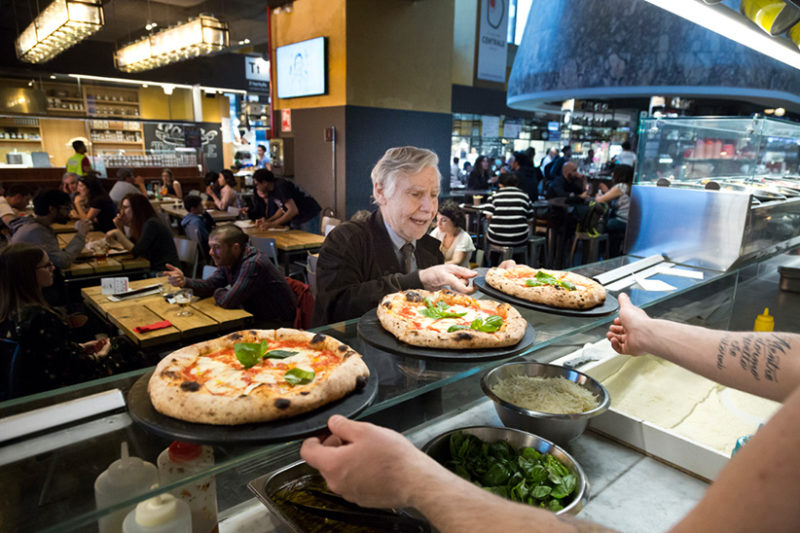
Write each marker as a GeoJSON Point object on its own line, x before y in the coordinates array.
{"type": "Point", "coordinates": [699, 149]}
{"type": "Point", "coordinates": [49, 471]}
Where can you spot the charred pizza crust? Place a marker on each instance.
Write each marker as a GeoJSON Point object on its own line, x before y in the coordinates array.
{"type": "Point", "coordinates": [174, 395]}
{"type": "Point", "coordinates": [423, 331]}
{"type": "Point", "coordinates": [587, 295]}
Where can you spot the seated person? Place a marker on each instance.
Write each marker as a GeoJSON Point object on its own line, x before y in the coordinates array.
{"type": "Point", "coordinates": [173, 186]}
{"type": "Point", "coordinates": [126, 184]}
{"type": "Point", "coordinates": [197, 224]}
{"type": "Point", "coordinates": [49, 207]}
{"type": "Point", "coordinates": [563, 217]}
{"type": "Point", "coordinates": [100, 209]}
{"type": "Point", "coordinates": [296, 208]}
{"type": "Point", "coordinates": [377, 467]}
{"type": "Point", "coordinates": [246, 278]}
{"type": "Point", "coordinates": [620, 195]}
{"type": "Point", "coordinates": [508, 211]}
{"type": "Point", "coordinates": [69, 184]}
{"type": "Point", "coordinates": [361, 262]}
{"type": "Point", "coordinates": [13, 205]}
{"type": "Point", "coordinates": [48, 359]}
{"type": "Point", "coordinates": [226, 197]}
{"type": "Point", "coordinates": [457, 246]}
{"type": "Point", "coordinates": [149, 236]}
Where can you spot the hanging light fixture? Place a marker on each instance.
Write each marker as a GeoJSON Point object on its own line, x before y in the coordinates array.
{"type": "Point", "coordinates": [59, 26]}
{"type": "Point", "coordinates": [199, 36]}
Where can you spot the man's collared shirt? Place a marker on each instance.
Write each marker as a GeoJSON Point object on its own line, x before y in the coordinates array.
{"type": "Point", "coordinates": [397, 243]}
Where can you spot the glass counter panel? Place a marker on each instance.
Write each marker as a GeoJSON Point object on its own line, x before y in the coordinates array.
{"type": "Point", "coordinates": [49, 476]}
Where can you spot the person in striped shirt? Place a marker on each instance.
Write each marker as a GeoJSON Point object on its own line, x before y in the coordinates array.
{"type": "Point", "coordinates": [508, 211]}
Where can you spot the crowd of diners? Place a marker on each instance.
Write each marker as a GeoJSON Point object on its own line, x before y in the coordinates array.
{"type": "Point", "coordinates": [408, 241]}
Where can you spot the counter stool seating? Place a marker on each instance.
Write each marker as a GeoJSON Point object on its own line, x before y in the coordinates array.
{"type": "Point", "coordinates": [508, 252]}
{"type": "Point", "coordinates": [590, 246]}
{"type": "Point", "coordinates": [535, 246]}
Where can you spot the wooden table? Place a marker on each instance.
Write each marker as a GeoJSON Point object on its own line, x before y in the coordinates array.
{"type": "Point", "coordinates": [69, 227]}
{"type": "Point", "coordinates": [179, 212]}
{"type": "Point", "coordinates": [207, 316]}
{"type": "Point", "coordinates": [289, 242]}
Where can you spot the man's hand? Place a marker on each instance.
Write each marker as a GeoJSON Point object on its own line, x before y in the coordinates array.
{"type": "Point", "coordinates": [175, 276]}
{"type": "Point", "coordinates": [367, 464]}
{"type": "Point", "coordinates": [263, 224]}
{"type": "Point", "coordinates": [98, 348]}
{"type": "Point", "coordinates": [456, 277]}
{"type": "Point", "coordinates": [139, 181]}
{"type": "Point", "coordinates": [630, 329]}
{"type": "Point", "coordinates": [83, 227]}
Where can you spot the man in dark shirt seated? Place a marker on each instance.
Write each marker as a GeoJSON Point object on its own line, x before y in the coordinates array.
{"type": "Point", "coordinates": [567, 196]}
{"type": "Point", "coordinates": [295, 207]}
{"type": "Point", "coordinates": [245, 278]}
{"type": "Point", "coordinates": [361, 262]}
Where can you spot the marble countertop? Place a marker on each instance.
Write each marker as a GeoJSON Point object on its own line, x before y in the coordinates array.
{"type": "Point", "coordinates": [629, 492]}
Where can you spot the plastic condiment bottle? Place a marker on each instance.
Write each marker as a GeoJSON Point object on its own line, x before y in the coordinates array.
{"type": "Point", "coordinates": [182, 459]}
{"type": "Point", "coordinates": [764, 322]}
{"type": "Point", "coordinates": [124, 478]}
{"type": "Point", "coordinates": [161, 514]}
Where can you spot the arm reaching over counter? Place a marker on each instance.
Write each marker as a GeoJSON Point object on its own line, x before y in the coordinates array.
{"type": "Point", "coordinates": [765, 364]}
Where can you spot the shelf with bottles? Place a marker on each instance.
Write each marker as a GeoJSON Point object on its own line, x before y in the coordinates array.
{"type": "Point", "coordinates": [147, 158]}
{"type": "Point", "coordinates": [28, 134]}
{"type": "Point", "coordinates": [115, 125]}
{"type": "Point", "coordinates": [111, 101]}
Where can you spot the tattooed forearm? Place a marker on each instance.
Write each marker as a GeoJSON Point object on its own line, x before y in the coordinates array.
{"type": "Point", "coordinates": [757, 354]}
{"type": "Point", "coordinates": [579, 526]}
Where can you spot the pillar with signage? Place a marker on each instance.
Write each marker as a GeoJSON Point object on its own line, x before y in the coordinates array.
{"type": "Point", "coordinates": [492, 43]}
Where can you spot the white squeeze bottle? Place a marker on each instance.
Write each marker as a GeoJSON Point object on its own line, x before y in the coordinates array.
{"type": "Point", "coordinates": [124, 478]}
{"type": "Point", "coordinates": [161, 514]}
{"type": "Point", "coordinates": [181, 459]}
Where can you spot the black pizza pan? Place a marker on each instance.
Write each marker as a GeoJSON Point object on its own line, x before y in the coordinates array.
{"type": "Point", "coordinates": [610, 305]}
{"type": "Point", "coordinates": [370, 329]}
{"type": "Point", "coordinates": [142, 411]}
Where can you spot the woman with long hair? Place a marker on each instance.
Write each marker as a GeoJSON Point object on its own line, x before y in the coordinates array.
{"type": "Point", "coordinates": [47, 358]}
{"type": "Point", "coordinates": [619, 196]}
{"type": "Point", "coordinates": [149, 236]}
{"type": "Point", "coordinates": [480, 177]}
{"type": "Point", "coordinates": [451, 223]}
{"type": "Point", "coordinates": [227, 196]}
{"type": "Point", "coordinates": [100, 208]}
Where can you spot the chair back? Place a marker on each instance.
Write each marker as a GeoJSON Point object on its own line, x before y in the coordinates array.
{"type": "Point", "coordinates": [266, 246]}
{"type": "Point", "coordinates": [327, 224]}
{"type": "Point", "coordinates": [305, 303]}
{"type": "Point", "coordinates": [188, 253]}
{"type": "Point", "coordinates": [208, 271]}
{"type": "Point", "coordinates": [234, 210]}
{"type": "Point", "coordinates": [311, 273]}
{"type": "Point", "coordinates": [9, 352]}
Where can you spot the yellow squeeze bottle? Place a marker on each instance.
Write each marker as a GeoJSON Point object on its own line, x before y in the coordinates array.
{"type": "Point", "coordinates": [764, 322]}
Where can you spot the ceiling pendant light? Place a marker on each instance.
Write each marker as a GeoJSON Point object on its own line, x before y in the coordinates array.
{"type": "Point", "coordinates": [199, 36]}
{"type": "Point", "coordinates": [60, 25]}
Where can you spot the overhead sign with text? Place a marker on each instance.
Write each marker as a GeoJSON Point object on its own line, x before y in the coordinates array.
{"type": "Point", "coordinates": [492, 44]}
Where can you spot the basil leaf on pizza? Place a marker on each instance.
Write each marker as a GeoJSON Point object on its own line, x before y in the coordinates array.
{"type": "Point", "coordinates": [249, 353]}
{"type": "Point", "coordinates": [445, 319]}
{"type": "Point", "coordinates": [298, 376]}
{"type": "Point", "coordinates": [279, 354]}
{"type": "Point", "coordinates": [547, 287]}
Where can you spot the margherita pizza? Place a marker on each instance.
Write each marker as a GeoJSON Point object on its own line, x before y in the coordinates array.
{"type": "Point", "coordinates": [444, 319]}
{"type": "Point", "coordinates": [255, 376]}
{"type": "Point", "coordinates": [549, 287]}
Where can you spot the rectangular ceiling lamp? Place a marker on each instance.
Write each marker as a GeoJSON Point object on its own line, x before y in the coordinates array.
{"type": "Point", "coordinates": [60, 25]}
{"type": "Point", "coordinates": [199, 36]}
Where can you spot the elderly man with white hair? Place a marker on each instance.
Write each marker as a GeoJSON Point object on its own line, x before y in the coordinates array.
{"type": "Point", "coordinates": [361, 262]}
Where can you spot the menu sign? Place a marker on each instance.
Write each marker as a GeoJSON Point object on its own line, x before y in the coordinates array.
{"type": "Point", "coordinates": [168, 136]}
{"type": "Point", "coordinates": [492, 55]}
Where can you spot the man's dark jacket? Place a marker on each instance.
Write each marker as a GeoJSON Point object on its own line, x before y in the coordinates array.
{"type": "Point", "coordinates": [358, 266]}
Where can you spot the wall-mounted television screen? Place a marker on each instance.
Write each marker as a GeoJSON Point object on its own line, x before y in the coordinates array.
{"type": "Point", "coordinates": [302, 68]}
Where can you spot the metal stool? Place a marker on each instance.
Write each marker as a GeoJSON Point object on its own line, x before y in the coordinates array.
{"type": "Point", "coordinates": [590, 246]}
{"type": "Point", "coordinates": [508, 251]}
{"type": "Point", "coordinates": [535, 245]}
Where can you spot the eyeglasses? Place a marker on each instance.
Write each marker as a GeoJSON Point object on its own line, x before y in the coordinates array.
{"type": "Point", "coordinates": [49, 264]}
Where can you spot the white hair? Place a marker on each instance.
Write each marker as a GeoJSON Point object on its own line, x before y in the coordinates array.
{"type": "Point", "coordinates": [402, 161]}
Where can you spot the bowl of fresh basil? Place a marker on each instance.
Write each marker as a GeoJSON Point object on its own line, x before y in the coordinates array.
{"type": "Point", "coordinates": [548, 400]}
{"type": "Point", "coordinates": [514, 464]}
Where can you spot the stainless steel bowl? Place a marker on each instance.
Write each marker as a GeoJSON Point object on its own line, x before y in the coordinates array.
{"type": "Point", "coordinates": [556, 427]}
{"type": "Point", "coordinates": [439, 449]}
